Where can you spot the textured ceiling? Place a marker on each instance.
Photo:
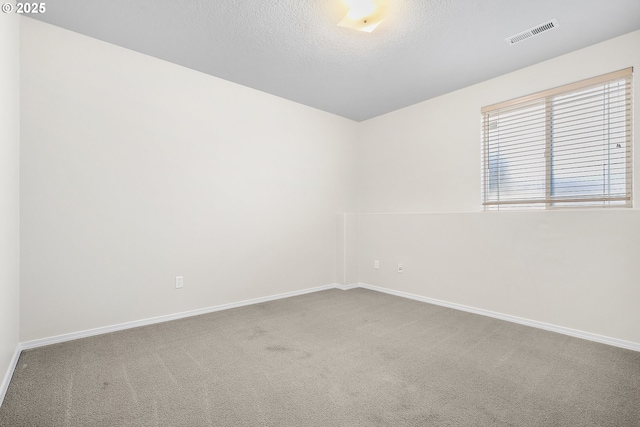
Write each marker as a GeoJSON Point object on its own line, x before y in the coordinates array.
{"type": "Point", "coordinates": [294, 48]}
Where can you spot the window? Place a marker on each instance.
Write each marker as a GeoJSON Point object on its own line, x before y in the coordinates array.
{"type": "Point", "coordinates": [565, 147]}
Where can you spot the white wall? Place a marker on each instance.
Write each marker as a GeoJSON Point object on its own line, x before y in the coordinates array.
{"type": "Point", "coordinates": [135, 170]}
{"type": "Point", "coordinates": [419, 198]}
{"type": "Point", "coordinates": [9, 191]}
{"type": "Point", "coordinates": [347, 253]}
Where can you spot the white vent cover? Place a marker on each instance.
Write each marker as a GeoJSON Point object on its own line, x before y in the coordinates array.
{"type": "Point", "coordinates": [527, 34]}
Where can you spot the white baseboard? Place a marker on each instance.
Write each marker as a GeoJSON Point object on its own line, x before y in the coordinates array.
{"type": "Point", "coordinates": [128, 325]}
{"type": "Point", "coordinates": [10, 369]}
{"type": "Point", "coordinates": [509, 318]}
{"type": "Point", "coordinates": [347, 287]}
{"type": "Point", "coordinates": [144, 322]}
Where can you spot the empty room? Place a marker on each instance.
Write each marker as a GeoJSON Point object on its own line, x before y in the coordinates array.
{"type": "Point", "coordinates": [319, 213]}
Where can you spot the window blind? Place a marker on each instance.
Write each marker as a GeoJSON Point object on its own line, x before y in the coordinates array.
{"type": "Point", "coordinates": [565, 147]}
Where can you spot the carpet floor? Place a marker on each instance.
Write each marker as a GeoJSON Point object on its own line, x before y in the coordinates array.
{"type": "Point", "coordinates": [331, 358]}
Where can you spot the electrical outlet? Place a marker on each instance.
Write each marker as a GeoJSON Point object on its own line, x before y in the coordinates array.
{"type": "Point", "coordinates": [179, 282]}
{"type": "Point", "coordinates": [400, 268]}
{"type": "Point", "coordinates": [376, 264]}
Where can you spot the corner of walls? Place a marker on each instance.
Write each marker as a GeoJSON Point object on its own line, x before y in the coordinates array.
{"type": "Point", "coordinates": [9, 196]}
{"type": "Point", "coordinates": [346, 247]}
{"type": "Point", "coordinates": [347, 272]}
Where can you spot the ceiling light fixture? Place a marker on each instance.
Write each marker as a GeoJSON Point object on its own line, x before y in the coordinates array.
{"type": "Point", "coordinates": [364, 15]}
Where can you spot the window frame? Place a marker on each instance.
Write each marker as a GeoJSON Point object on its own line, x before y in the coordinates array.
{"type": "Point", "coordinates": [547, 98]}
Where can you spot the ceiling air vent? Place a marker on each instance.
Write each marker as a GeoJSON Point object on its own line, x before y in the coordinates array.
{"type": "Point", "coordinates": [527, 34]}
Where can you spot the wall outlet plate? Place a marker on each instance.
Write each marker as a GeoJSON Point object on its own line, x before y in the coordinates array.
{"type": "Point", "coordinates": [400, 268]}
{"type": "Point", "coordinates": [179, 282]}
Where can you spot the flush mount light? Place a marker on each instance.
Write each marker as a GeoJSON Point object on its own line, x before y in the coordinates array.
{"type": "Point", "coordinates": [364, 15]}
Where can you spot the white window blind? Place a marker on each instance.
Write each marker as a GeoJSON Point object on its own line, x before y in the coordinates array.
{"type": "Point", "coordinates": [565, 147]}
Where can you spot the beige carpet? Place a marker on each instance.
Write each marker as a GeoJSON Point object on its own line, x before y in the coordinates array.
{"type": "Point", "coordinates": [332, 358]}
